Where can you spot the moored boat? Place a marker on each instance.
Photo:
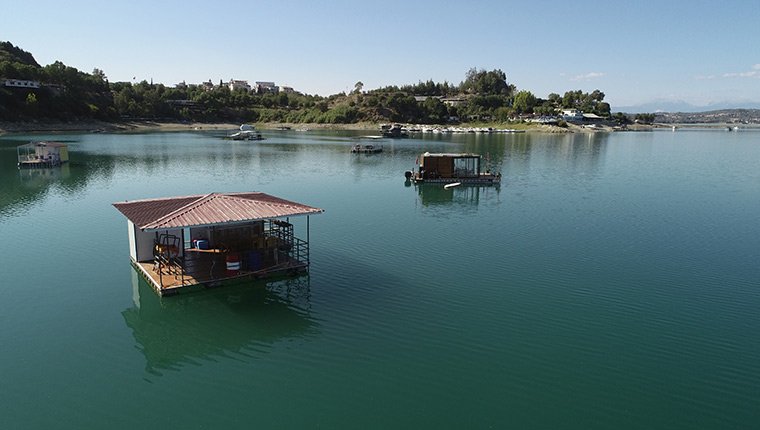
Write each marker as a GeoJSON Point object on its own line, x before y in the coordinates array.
{"type": "Point", "coordinates": [394, 131]}
{"type": "Point", "coordinates": [247, 132]}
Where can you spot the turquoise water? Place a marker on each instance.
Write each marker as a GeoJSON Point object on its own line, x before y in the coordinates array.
{"type": "Point", "coordinates": [612, 281]}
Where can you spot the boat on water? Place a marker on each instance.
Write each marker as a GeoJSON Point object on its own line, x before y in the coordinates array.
{"type": "Point", "coordinates": [448, 168]}
{"type": "Point", "coordinates": [247, 132]}
{"type": "Point", "coordinates": [366, 148]}
{"type": "Point", "coordinates": [394, 131]}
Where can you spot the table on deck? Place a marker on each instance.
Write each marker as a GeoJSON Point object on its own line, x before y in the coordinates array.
{"type": "Point", "coordinates": [209, 251]}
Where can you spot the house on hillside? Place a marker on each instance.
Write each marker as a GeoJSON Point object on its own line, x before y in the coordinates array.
{"type": "Point", "coordinates": [239, 85]}
{"type": "Point", "coordinates": [20, 83]}
{"type": "Point", "coordinates": [572, 114]}
{"type": "Point", "coordinates": [454, 101]}
{"type": "Point", "coordinates": [263, 87]}
{"type": "Point", "coordinates": [207, 86]}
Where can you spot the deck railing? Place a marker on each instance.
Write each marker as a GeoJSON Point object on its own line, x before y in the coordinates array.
{"type": "Point", "coordinates": [299, 251]}
{"type": "Point", "coordinates": [169, 266]}
{"type": "Point", "coordinates": [289, 252]}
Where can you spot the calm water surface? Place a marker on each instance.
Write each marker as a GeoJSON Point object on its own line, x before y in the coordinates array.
{"type": "Point", "coordinates": [612, 281]}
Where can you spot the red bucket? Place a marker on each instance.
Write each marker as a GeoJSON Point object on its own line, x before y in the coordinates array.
{"type": "Point", "coordinates": [233, 264]}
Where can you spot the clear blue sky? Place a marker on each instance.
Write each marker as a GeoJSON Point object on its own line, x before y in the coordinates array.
{"type": "Point", "coordinates": [635, 52]}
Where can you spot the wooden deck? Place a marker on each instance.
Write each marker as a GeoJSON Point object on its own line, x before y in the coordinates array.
{"type": "Point", "coordinates": [481, 180]}
{"type": "Point", "coordinates": [207, 271]}
{"type": "Point", "coordinates": [38, 164]}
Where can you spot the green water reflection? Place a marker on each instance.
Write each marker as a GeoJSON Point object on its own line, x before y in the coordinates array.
{"type": "Point", "coordinates": [611, 281]}
{"type": "Point", "coordinates": [232, 321]}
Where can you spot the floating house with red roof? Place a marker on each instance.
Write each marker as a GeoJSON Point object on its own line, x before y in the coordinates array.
{"type": "Point", "coordinates": [179, 243]}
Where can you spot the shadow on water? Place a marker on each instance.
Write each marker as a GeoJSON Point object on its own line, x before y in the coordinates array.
{"type": "Point", "coordinates": [237, 322]}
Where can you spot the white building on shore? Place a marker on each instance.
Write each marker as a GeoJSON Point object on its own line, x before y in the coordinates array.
{"type": "Point", "coordinates": [239, 85]}
{"type": "Point", "coordinates": [20, 83]}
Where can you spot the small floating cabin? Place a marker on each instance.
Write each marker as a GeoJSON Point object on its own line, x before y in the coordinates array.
{"type": "Point", "coordinates": [42, 154]}
{"type": "Point", "coordinates": [445, 168]}
{"type": "Point", "coordinates": [179, 243]}
{"type": "Point", "coordinates": [366, 148]}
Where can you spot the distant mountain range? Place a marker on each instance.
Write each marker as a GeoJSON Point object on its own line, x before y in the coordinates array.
{"type": "Point", "coordinates": [681, 106]}
{"type": "Point", "coordinates": [680, 112]}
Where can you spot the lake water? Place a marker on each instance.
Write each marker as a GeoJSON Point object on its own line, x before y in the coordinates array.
{"type": "Point", "coordinates": [612, 281]}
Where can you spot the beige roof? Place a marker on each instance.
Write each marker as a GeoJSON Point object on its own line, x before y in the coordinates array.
{"type": "Point", "coordinates": [45, 143]}
{"type": "Point", "coordinates": [209, 209]}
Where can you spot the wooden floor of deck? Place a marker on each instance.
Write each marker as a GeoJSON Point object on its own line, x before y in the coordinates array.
{"type": "Point", "coordinates": [207, 271]}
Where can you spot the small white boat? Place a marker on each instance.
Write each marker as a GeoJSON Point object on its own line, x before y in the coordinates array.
{"type": "Point", "coordinates": [246, 135]}
{"type": "Point", "coordinates": [452, 185]}
{"type": "Point", "coordinates": [247, 132]}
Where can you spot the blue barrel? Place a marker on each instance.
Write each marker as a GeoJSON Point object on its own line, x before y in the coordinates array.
{"type": "Point", "coordinates": [252, 261]}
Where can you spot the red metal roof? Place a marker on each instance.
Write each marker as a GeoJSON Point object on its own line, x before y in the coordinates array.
{"type": "Point", "coordinates": [208, 209]}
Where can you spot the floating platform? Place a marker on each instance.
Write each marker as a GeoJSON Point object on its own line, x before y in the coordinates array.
{"type": "Point", "coordinates": [42, 155]}
{"type": "Point", "coordinates": [168, 281]}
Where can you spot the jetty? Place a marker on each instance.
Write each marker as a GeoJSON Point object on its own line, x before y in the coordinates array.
{"type": "Point", "coordinates": [185, 243]}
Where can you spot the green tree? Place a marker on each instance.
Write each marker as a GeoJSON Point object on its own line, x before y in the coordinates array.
{"type": "Point", "coordinates": [524, 102]}
{"type": "Point", "coordinates": [32, 105]}
{"type": "Point", "coordinates": [620, 118]}
{"type": "Point", "coordinates": [602, 109]}
{"type": "Point", "coordinates": [435, 111]}
{"type": "Point", "coordinates": [487, 83]}
{"type": "Point", "coordinates": [555, 100]}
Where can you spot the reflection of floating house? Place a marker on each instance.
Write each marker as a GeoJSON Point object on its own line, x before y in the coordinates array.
{"type": "Point", "coordinates": [451, 168]}
{"type": "Point", "coordinates": [185, 331]}
{"type": "Point", "coordinates": [182, 242]}
{"type": "Point", "coordinates": [42, 154]}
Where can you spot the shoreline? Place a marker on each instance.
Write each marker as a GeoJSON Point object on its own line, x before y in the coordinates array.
{"type": "Point", "coordinates": [10, 127]}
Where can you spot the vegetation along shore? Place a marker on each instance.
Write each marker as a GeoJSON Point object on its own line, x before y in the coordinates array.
{"type": "Point", "coordinates": [57, 97]}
